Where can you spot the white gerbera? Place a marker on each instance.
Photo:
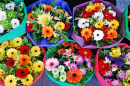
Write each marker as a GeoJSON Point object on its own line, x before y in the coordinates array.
{"type": "Point", "coordinates": [82, 23]}
{"type": "Point", "coordinates": [10, 6]}
{"type": "Point", "coordinates": [112, 12]}
{"type": "Point", "coordinates": [61, 68]}
{"type": "Point", "coordinates": [1, 29]}
{"type": "Point", "coordinates": [98, 35]}
{"type": "Point", "coordinates": [55, 71]}
{"type": "Point", "coordinates": [15, 23]}
{"type": "Point", "coordinates": [3, 15]}
{"type": "Point", "coordinates": [99, 16]}
{"type": "Point", "coordinates": [62, 78]}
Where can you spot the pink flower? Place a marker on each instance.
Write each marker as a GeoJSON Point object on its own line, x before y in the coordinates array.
{"type": "Point", "coordinates": [128, 55]}
{"type": "Point", "coordinates": [108, 73]}
{"type": "Point", "coordinates": [108, 80]}
{"type": "Point", "coordinates": [115, 83]}
{"type": "Point", "coordinates": [83, 70]}
{"type": "Point", "coordinates": [73, 66]}
{"type": "Point", "coordinates": [87, 59]}
{"type": "Point", "coordinates": [122, 74]}
{"type": "Point", "coordinates": [67, 63]}
{"type": "Point", "coordinates": [79, 59]}
{"type": "Point", "coordinates": [51, 63]}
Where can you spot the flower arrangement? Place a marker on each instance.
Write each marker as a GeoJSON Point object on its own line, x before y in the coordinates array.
{"type": "Point", "coordinates": [113, 65]}
{"type": "Point", "coordinates": [20, 62]}
{"type": "Point", "coordinates": [69, 64]}
{"type": "Point", "coordinates": [48, 22]}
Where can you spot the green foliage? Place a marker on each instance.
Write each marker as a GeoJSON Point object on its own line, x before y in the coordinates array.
{"type": "Point", "coordinates": [52, 3]}
{"type": "Point", "coordinates": [25, 40]}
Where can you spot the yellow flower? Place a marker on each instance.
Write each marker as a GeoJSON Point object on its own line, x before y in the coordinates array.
{"type": "Point", "coordinates": [17, 41]}
{"type": "Point", "coordinates": [2, 53]}
{"type": "Point", "coordinates": [129, 17]}
{"type": "Point", "coordinates": [127, 84]}
{"type": "Point", "coordinates": [28, 80]}
{"type": "Point", "coordinates": [59, 25]}
{"type": "Point", "coordinates": [4, 44]}
{"type": "Point", "coordinates": [35, 51]}
{"type": "Point", "coordinates": [59, 11]}
{"type": "Point", "coordinates": [11, 52]}
{"type": "Point", "coordinates": [114, 24]}
{"type": "Point", "coordinates": [89, 8]}
{"type": "Point", "coordinates": [42, 19]}
{"type": "Point", "coordinates": [38, 66]}
{"type": "Point", "coordinates": [11, 44]}
{"type": "Point", "coordinates": [99, 24]}
{"type": "Point", "coordinates": [2, 74]}
{"type": "Point", "coordinates": [10, 80]}
{"type": "Point", "coordinates": [30, 67]}
{"type": "Point", "coordinates": [115, 52]}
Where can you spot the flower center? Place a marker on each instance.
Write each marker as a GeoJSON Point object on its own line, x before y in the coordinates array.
{"type": "Point", "coordinates": [24, 59]}
{"type": "Point", "coordinates": [15, 23]}
{"type": "Point", "coordinates": [86, 32]}
{"type": "Point", "coordinates": [35, 50]}
{"type": "Point", "coordinates": [9, 6]}
{"type": "Point", "coordinates": [12, 52]}
{"type": "Point", "coordinates": [129, 81]}
{"type": "Point", "coordinates": [74, 75]}
{"type": "Point", "coordinates": [51, 63]}
{"type": "Point", "coordinates": [112, 24]}
{"type": "Point", "coordinates": [73, 66]}
{"type": "Point", "coordinates": [85, 52]}
{"type": "Point", "coordinates": [103, 66]}
{"type": "Point", "coordinates": [12, 63]}
{"type": "Point", "coordinates": [24, 49]}
{"type": "Point", "coordinates": [99, 24]}
{"type": "Point", "coordinates": [114, 82]}
{"type": "Point", "coordinates": [97, 34]}
{"type": "Point", "coordinates": [26, 79]}
{"type": "Point", "coordinates": [108, 82]}
{"type": "Point", "coordinates": [39, 66]}
{"type": "Point", "coordinates": [17, 41]}
{"type": "Point", "coordinates": [83, 23]}
{"type": "Point", "coordinates": [22, 72]}
{"type": "Point", "coordinates": [96, 8]}
{"type": "Point", "coordinates": [59, 25]}
{"type": "Point", "coordinates": [11, 81]}
{"type": "Point", "coordinates": [97, 16]}
{"type": "Point", "coordinates": [111, 33]}
{"type": "Point", "coordinates": [47, 31]}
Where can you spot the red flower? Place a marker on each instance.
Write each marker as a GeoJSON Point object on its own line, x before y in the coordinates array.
{"type": "Point", "coordinates": [29, 27]}
{"type": "Point", "coordinates": [108, 16]}
{"type": "Point", "coordinates": [22, 72]}
{"type": "Point", "coordinates": [85, 52]}
{"type": "Point", "coordinates": [10, 62]}
{"type": "Point", "coordinates": [24, 49]}
{"type": "Point", "coordinates": [103, 67]}
{"type": "Point", "coordinates": [67, 26]}
{"type": "Point", "coordinates": [86, 39]}
{"type": "Point", "coordinates": [87, 14]}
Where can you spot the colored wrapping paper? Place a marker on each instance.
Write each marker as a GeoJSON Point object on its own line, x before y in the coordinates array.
{"type": "Point", "coordinates": [64, 5]}
{"type": "Point", "coordinates": [97, 74]}
{"type": "Point", "coordinates": [64, 83]}
{"type": "Point", "coordinates": [120, 30]}
{"type": "Point", "coordinates": [127, 31]}
{"type": "Point", "coordinates": [18, 31]}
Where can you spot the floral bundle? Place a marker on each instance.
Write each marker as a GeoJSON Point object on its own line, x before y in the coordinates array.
{"type": "Point", "coordinates": [48, 22]}
{"type": "Point", "coordinates": [113, 65]}
{"type": "Point", "coordinates": [20, 62]}
{"type": "Point", "coordinates": [69, 64]}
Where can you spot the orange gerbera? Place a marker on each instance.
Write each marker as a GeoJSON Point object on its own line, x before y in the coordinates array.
{"type": "Point", "coordinates": [47, 31]}
{"type": "Point", "coordinates": [86, 32]}
{"type": "Point", "coordinates": [61, 51]}
{"type": "Point", "coordinates": [74, 76]}
{"type": "Point", "coordinates": [112, 33]}
{"type": "Point", "coordinates": [48, 7]}
{"type": "Point", "coordinates": [29, 15]}
{"type": "Point", "coordinates": [97, 7]}
{"type": "Point", "coordinates": [65, 44]}
{"type": "Point", "coordinates": [24, 60]}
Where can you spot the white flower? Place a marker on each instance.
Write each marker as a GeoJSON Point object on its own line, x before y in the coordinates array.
{"type": "Point", "coordinates": [55, 34]}
{"type": "Point", "coordinates": [56, 18]}
{"type": "Point", "coordinates": [56, 76]}
{"type": "Point", "coordinates": [106, 23]}
{"type": "Point", "coordinates": [127, 62]}
{"type": "Point", "coordinates": [1, 29]}
{"type": "Point", "coordinates": [89, 20]}
{"type": "Point", "coordinates": [63, 73]}
{"type": "Point", "coordinates": [0, 9]}
{"type": "Point", "coordinates": [10, 6]}
{"type": "Point", "coordinates": [127, 72]}
{"type": "Point", "coordinates": [103, 6]}
{"type": "Point", "coordinates": [3, 15]}
{"type": "Point", "coordinates": [61, 68]}
{"type": "Point", "coordinates": [107, 60]}
{"type": "Point", "coordinates": [62, 78]}
{"type": "Point", "coordinates": [55, 71]}
{"type": "Point", "coordinates": [15, 23]}
{"type": "Point", "coordinates": [98, 35]}
{"type": "Point", "coordinates": [112, 12]}
{"type": "Point", "coordinates": [21, 4]}
{"type": "Point", "coordinates": [99, 16]}
{"type": "Point", "coordinates": [82, 23]}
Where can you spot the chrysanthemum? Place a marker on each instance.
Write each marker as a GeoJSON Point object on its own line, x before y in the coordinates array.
{"type": "Point", "coordinates": [10, 80]}
{"type": "Point", "coordinates": [79, 59]}
{"type": "Point", "coordinates": [24, 60]}
{"type": "Point", "coordinates": [83, 70]}
{"type": "Point", "coordinates": [55, 71]}
{"type": "Point", "coordinates": [108, 80]}
{"type": "Point", "coordinates": [98, 35]}
{"type": "Point", "coordinates": [73, 66]}
{"type": "Point", "coordinates": [87, 59]}
{"type": "Point", "coordinates": [59, 25]}
{"type": "Point", "coordinates": [24, 49]}
{"type": "Point", "coordinates": [38, 66]}
{"type": "Point", "coordinates": [10, 62]}
{"type": "Point", "coordinates": [62, 78]}
{"type": "Point", "coordinates": [86, 32]}
{"type": "Point", "coordinates": [108, 73]}
{"type": "Point", "coordinates": [89, 8]}
{"type": "Point", "coordinates": [47, 31]}
{"type": "Point", "coordinates": [63, 73]}
{"type": "Point", "coordinates": [28, 80]}
{"type": "Point", "coordinates": [99, 16]}
{"type": "Point", "coordinates": [4, 44]}
{"type": "Point", "coordinates": [61, 68]}
{"type": "Point", "coordinates": [99, 24]}
{"type": "Point", "coordinates": [1, 29]}
{"type": "Point", "coordinates": [97, 7]}
{"type": "Point", "coordinates": [82, 23]}
{"type": "Point", "coordinates": [35, 51]}
{"type": "Point", "coordinates": [17, 41]}
{"type": "Point", "coordinates": [11, 52]}
{"type": "Point", "coordinates": [51, 63]}
{"type": "Point", "coordinates": [116, 83]}
{"type": "Point", "coordinates": [74, 76]}
{"type": "Point", "coordinates": [89, 65]}
{"type": "Point", "coordinates": [15, 23]}
{"type": "Point", "coordinates": [112, 33]}
{"type": "Point", "coordinates": [114, 24]}
{"type": "Point", "coordinates": [113, 13]}
{"type": "Point", "coordinates": [122, 74]}
{"type": "Point", "coordinates": [10, 6]}
{"type": "Point", "coordinates": [3, 15]}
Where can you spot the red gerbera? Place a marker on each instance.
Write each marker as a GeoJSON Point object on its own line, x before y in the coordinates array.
{"type": "Point", "coordinates": [87, 14]}
{"type": "Point", "coordinates": [67, 26]}
{"type": "Point", "coordinates": [103, 67]}
{"type": "Point", "coordinates": [87, 39]}
{"type": "Point", "coordinates": [22, 72]}
{"type": "Point", "coordinates": [10, 62]}
{"type": "Point", "coordinates": [24, 49]}
{"type": "Point", "coordinates": [85, 52]}
{"type": "Point", "coordinates": [29, 27]}
{"type": "Point", "coordinates": [108, 16]}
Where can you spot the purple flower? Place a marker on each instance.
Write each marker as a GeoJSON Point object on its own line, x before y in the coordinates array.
{"type": "Point", "coordinates": [83, 70]}
{"type": "Point", "coordinates": [121, 74]}
{"type": "Point", "coordinates": [115, 83]}
{"type": "Point", "coordinates": [108, 80]}
{"type": "Point", "coordinates": [90, 66]}
{"type": "Point", "coordinates": [87, 59]}
{"type": "Point", "coordinates": [109, 57]}
{"type": "Point", "coordinates": [119, 63]}
{"type": "Point", "coordinates": [122, 56]}
{"type": "Point", "coordinates": [79, 59]}
{"type": "Point", "coordinates": [73, 66]}
{"type": "Point", "coordinates": [108, 73]}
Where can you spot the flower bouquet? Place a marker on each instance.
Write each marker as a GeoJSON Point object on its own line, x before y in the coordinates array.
{"type": "Point", "coordinates": [48, 22]}
{"type": "Point", "coordinates": [69, 65]}
{"type": "Point", "coordinates": [97, 24]}
{"type": "Point", "coordinates": [13, 15]}
{"type": "Point", "coordinates": [112, 66]}
{"type": "Point", "coordinates": [21, 63]}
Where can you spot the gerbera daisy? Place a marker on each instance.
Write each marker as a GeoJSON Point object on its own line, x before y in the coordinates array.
{"type": "Point", "coordinates": [47, 31]}
{"type": "Point", "coordinates": [48, 7]}
{"type": "Point", "coordinates": [114, 24]}
{"type": "Point", "coordinates": [51, 63]}
{"type": "Point", "coordinates": [73, 66]}
{"type": "Point", "coordinates": [35, 51]}
{"type": "Point", "coordinates": [29, 27]}
{"type": "Point", "coordinates": [108, 80]}
{"type": "Point", "coordinates": [15, 23]}
{"type": "Point", "coordinates": [4, 44]}
{"type": "Point", "coordinates": [121, 74]}
{"type": "Point", "coordinates": [24, 49]}
{"type": "Point", "coordinates": [28, 80]}
{"type": "Point", "coordinates": [10, 80]}
{"type": "Point", "coordinates": [10, 6]}
{"type": "Point", "coordinates": [59, 25]}
{"type": "Point", "coordinates": [89, 8]}
{"type": "Point", "coordinates": [22, 72]}
{"type": "Point", "coordinates": [67, 26]}
{"type": "Point", "coordinates": [98, 35]}
{"type": "Point", "coordinates": [83, 70]}
{"type": "Point", "coordinates": [99, 16]}
{"type": "Point", "coordinates": [3, 15]}
{"type": "Point", "coordinates": [112, 33]}
{"type": "Point", "coordinates": [108, 73]}
{"type": "Point", "coordinates": [29, 15]}
{"type": "Point", "coordinates": [99, 24]}
{"type": "Point", "coordinates": [82, 23]}
{"type": "Point", "coordinates": [2, 53]}
{"type": "Point", "coordinates": [97, 7]}
{"type": "Point", "coordinates": [61, 51]}
{"type": "Point", "coordinates": [74, 76]}
{"type": "Point", "coordinates": [11, 52]}
{"type": "Point", "coordinates": [38, 66]}
{"type": "Point", "coordinates": [86, 32]}
{"type": "Point", "coordinates": [24, 60]}
{"type": "Point", "coordinates": [17, 41]}
{"type": "Point", "coordinates": [116, 83]}
{"type": "Point", "coordinates": [10, 62]}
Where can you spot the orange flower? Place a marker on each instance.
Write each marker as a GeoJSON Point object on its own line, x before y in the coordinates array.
{"type": "Point", "coordinates": [65, 44]}
{"type": "Point", "coordinates": [72, 49]}
{"type": "Point", "coordinates": [97, 7]}
{"type": "Point", "coordinates": [86, 32]}
{"type": "Point", "coordinates": [77, 46]}
{"type": "Point", "coordinates": [61, 51]}
{"type": "Point", "coordinates": [74, 76]}
{"type": "Point", "coordinates": [112, 33]}
{"type": "Point", "coordinates": [48, 7]}
{"type": "Point", "coordinates": [72, 44]}
{"type": "Point", "coordinates": [47, 31]}
{"type": "Point", "coordinates": [29, 15]}
{"type": "Point", "coordinates": [24, 60]}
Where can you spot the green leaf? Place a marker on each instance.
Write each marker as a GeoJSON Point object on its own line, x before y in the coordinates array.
{"type": "Point", "coordinates": [47, 22]}
{"type": "Point", "coordinates": [58, 7]}
{"type": "Point", "coordinates": [56, 40]}
{"type": "Point", "coordinates": [52, 49]}
{"type": "Point", "coordinates": [52, 3]}
{"type": "Point", "coordinates": [91, 3]}
{"type": "Point", "coordinates": [35, 75]}
{"type": "Point", "coordinates": [29, 44]}
{"type": "Point", "coordinates": [78, 10]}
{"type": "Point", "coordinates": [25, 40]}
{"type": "Point", "coordinates": [98, 44]}
{"type": "Point", "coordinates": [35, 38]}
{"type": "Point", "coordinates": [52, 55]}
{"type": "Point", "coordinates": [122, 49]}
{"type": "Point", "coordinates": [51, 40]}
{"type": "Point", "coordinates": [65, 38]}
{"type": "Point", "coordinates": [35, 26]}
{"type": "Point", "coordinates": [34, 7]}
{"type": "Point", "coordinates": [93, 61]}
{"type": "Point", "coordinates": [38, 12]}
{"type": "Point", "coordinates": [4, 67]}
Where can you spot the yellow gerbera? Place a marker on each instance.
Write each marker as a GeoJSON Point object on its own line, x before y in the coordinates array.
{"type": "Point", "coordinates": [2, 53]}
{"type": "Point", "coordinates": [11, 44]}
{"type": "Point", "coordinates": [114, 24]}
{"type": "Point", "coordinates": [28, 80]}
{"type": "Point", "coordinates": [86, 32]}
{"type": "Point", "coordinates": [35, 51]}
{"type": "Point", "coordinates": [4, 44]}
{"type": "Point", "coordinates": [42, 19]}
{"type": "Point", "coordinates": [59, 11]}
{"type": "Point", "coordinates": [38, 66]}
{"type": "Point", "coordinates": [89, 8]}
{"type": "Point", "coordinates": [10, 80]}
{"type": "Point", "coordinates": [2, 74]}
{"type": "Point", "coordinates": [17, 41]}
{"type": "Point", "coordinates": [99, 24]}
{"type": "Point", "coordinates": [115, 52]}
{"type": "Point", "coordinates": [11, 52]}
{"type": "Point", "coordinates": [59, 25]}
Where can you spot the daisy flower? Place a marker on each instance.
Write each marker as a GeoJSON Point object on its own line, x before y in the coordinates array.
{"type": "Point", "coordinates": [10, 80]}
{"type": "Point", "coordinates": [108, 73]}
{"type": "Point", "coordinates": [98, 35]}
{"type": "Point", "coordinates": [55, 71]}
{"type": "Point", "coordinates": [99, 24]}
{"type": "Point", "coordinates": [121, 74]}
{"type": "Point", "coordinates": [112, 33]}
{"type": "Point", "coordinates": [24, 60]}
{"type": "Point", "coordinates": [73, 66]}
{"type": "Point", "coordinates": [47, 31]}
{"type": "Point", "coordinates": [28, 80]}
{"type": "Point", "coordinates": [38, 66]}
{"type": "Point", "coordinates": [89, 8]}
{"type": "Point", "coordinates": [17, 41]}
{"type": "Point", "coordinates": [35, 51]}
{"type": "Point", "coordinates": [114, 67]}
{"type": "Point", "coordinates": [108, 80]}
{"type": "Point", "coordinates": [15, 23]}
{"type": "Point", "coordinates": [114, 24]}
{"type": "Point", "coordinates": [86, 32]}
{"type": "Point", "coordinates": [62, 78]}
{"type": "Point", "coordinates": [82, 23]}
{"type": "Point", "coordinates": [3, 15]}
{"type": "Point", "coordinates": [10, 6]}
{"type": "Point", "coordinates": [61, 68]}
{"type": "Point", "coordinates": [59, 25]}
{"type": "Point", "coordinates": [11, 52]}
{"type": "Point", "coordinates": [79, 59]}
{"type": "Point", "coordinates": [10, 62]}
{"type": "Point", "coordinates": [99, 16]}
{"type": "Point", "coordinates": [83, 70]}
{"type": "Point", "coordinates": [97, 7]}
{"type": "Point", "coordinates": [115, 83]}
{"type": "Point", "coordinates": [113, 13]}
{"type": "Point", "coordinates": [56, 76]}
{"type": "Point", "coordinates": [63, 73]}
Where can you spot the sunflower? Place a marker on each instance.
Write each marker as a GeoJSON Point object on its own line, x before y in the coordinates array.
{"type": "Point", "coordinates": [11, 52]}
{"type": "Point", "coordinates": [59, 11]}
{"type": "Point", "coordinates": [10, 80]}
{"type": "Point", "coordinates": [35, 51]}
{"type": "Point", "coordinates": [74, 76]}
{"type": "Point", "coordinates": [47, 31]}
{"type": "Point", "coordinates": [29, 15]}
{"type": "Point", "coordinates": [2, 53]}
{"type": "Point", "coordinates": [4, 44]}
{"type": "Point", "coordinates": [48, 7]}
{"type": "Point", "coordinates": [24, 60]}
{"type": "Point", "coordinates": [114, 24]}
{"type": "Point", "coordinates": [28, 80]}
{"type": "Point", "coordinates": [97, 7]}
{"type": "Point", "coordinates": [99, 24]}
{"type": "Point", "coordinates": [86, 32]}
{"type": "Point", "coordinates": [112, 33]}
{"type": "Point", "coordinates": [17, 42]}
{"type": "Point", "coordinates": [89, 8]}
{"type": "Point", "coordinates": [59, 25]}
{"type": "Point", "coordinates": [38, 66]}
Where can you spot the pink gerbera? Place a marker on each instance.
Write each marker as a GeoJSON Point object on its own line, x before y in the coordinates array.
{"type": "Point", "coordinates": [51, 63]}
{"type": "Point", "coordinates": [115, 83]}
{"type": "Point", "coordinates": [122, 74]}
{"type": "Point", "coordinates": [108, 80]}
{"type": "Point", "coordinates": [108, 73]}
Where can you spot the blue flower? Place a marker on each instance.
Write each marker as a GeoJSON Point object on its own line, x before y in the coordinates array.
{"type": "Point", "coordinates": [122, 56]}
{"type": "Point", "coordinates": [119, 63]}
{"type": "Point", "coordinates": [109, 57]}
